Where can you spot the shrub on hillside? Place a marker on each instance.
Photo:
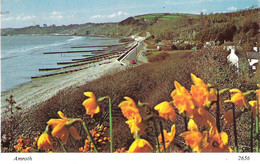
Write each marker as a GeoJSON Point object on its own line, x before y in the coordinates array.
{"type": "Point", "coordinates": [159, 57]}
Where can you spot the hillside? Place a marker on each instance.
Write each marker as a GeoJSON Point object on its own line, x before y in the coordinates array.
{"type": "Point", "coordinates": [239, 27]}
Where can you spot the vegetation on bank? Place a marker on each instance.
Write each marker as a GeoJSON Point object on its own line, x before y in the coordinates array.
{"type": "Point", "coordinates": [151, 83]}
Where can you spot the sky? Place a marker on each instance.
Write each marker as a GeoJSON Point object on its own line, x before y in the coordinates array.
{"type": "Point", "coordinates": [23, 13]}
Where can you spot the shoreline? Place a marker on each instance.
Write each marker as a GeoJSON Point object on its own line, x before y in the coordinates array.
{"type": "Point", "coordinates": [41, 89]}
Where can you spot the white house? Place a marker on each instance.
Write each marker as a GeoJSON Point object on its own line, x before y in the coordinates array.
{"type": "Point", "coordinates": [232, 57]}
{"type": "Point", "coordinates": [256, 49]}
{"type": "Point", "coordinates": [253, 59]}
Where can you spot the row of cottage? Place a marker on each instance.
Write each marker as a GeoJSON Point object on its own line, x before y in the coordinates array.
{"type": "Point", "coordinates": [253, 56]}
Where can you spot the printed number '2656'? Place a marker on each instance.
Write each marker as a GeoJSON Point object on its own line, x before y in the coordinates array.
{"type": "Point", "coordinates": [243, 158]}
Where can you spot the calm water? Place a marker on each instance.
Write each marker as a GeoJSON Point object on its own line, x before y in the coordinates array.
{"type": "Point", "coordinates": [22, 56]}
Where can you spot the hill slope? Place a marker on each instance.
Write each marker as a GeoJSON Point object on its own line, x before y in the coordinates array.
{"type": "Point", "coordinates": [240, 27]}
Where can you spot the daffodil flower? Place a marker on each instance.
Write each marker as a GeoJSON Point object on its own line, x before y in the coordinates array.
{"type": "Point", "coordinates": [136, 125]}
{"type": "Point", "coordinates": [129, 108]}
{"type": "Point", "coordinates": [199, 92]}
{"type": "Point", "coordinates": [216, 142]}
{"type": "Point", "coordinates": [166, 110]}
{"type": "Point", "coordinates": [91, 104]}
{"type": "Point", "coordinates": [140, 145]}
{"type": "Point", "coordinates": [201, 96]}
{"type": "Point", "coordinates": [128, 102]}
{"type": "Point", "coordinates": [45, 141]}
{"type": "Point", "coordinates": [238, 98]}
{"type": "Point", "coordinates": [193, 138]}
{"type": "Point", "coordinates": [168, 137]}
{"type": "Point", "coordinates": [63, 127]}
{"type": "Point", "coordinates": [253, 105]}
{"type": "Point", "coordinates": [203, 118]}
{"type": "Point", "coordinates": [182, 99]}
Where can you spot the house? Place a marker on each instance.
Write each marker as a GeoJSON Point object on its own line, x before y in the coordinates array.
{"type": "Point", "coordinates": [232, 57]}
{"type": "Point", "coordinates": [159, 46]}
{"type": "Point", "coordinates": [165, 45]}
{"type": "Point", "coordinates": [210, 43]}
{"type": "Point", "coordinates": [253, 59]}
{"type": "Point", "coordinates": [256, 49]}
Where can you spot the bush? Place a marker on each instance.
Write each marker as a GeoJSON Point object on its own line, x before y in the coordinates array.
{"type": "Point", "coordinates": [161, 56]}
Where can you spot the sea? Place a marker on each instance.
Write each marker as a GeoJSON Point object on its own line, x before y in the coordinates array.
{"type": "Point", "coordinates": [22, 56]}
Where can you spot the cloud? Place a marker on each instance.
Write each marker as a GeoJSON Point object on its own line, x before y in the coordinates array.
{"type": "Point", "coordinates": [55, 15]}
{"type": "Point", "coordinates": [232, 8]}
{"type": "Point", "coordinates": [20, 18]}
{"type": "Point", "coordinates": [96, 16]}
{"type": "Point", "coordinates": [204, 10]}
{"type": "Point", "coordinates": [114, 15]}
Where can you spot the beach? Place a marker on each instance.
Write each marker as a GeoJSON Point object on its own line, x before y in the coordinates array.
{"type": "Point", "coordinates": [48, 83]}
{"type": "Point", "coordinates": [41, 89]}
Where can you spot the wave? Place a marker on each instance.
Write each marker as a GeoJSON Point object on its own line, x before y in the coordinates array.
{"type": "Point", "coordinates": [18, 52]}
{"type": "Point", "coordinates": [75, 38]}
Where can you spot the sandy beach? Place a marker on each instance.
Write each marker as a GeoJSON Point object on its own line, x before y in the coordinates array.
{"type": "Point", "coordinates": [41, 89]}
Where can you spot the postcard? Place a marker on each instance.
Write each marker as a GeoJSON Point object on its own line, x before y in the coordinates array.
{"type": "Point", "coordinates": [178, 80]}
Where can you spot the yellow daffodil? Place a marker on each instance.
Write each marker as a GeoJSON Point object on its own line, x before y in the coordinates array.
{"type": "Point", "coordinates": [228, 117]}
{"type": "Point", "coordinates": [140, 145]}
{"type": "Point", "coordinates": [168, 137]}
{"type": "Point", "coordinates": [166, 110]}
{"type": "Point", "coordinates": [128, 102]}
{"type": "Point", "coordinates": [63, 127]}
{"type": "Point", "coordinates": [199, 92]}
{"type": "Point", "coordinates": [203, 118]}
{"type": "Point", "coordinates": [212, 94]}
{"type": "Point", "coordinates": [201, 96]}
{"type": "Point", "coordinates": [193, 138]}
{"type": "Point", "coordinates": [45, 142]}
{"type": "Point", "coordinates": [129, 108]}
{"type": "Point", "coordinates": [182, 99]}
{"type": "Point", "coordinates": [253, 105]}
{"type": "Point", "coordinates": [238, 98]}
{"type": "Point", "coordinates": [136, 125]}
{"type": "Point", "coordinates": [91, 104]}
{"type": "Point", "coordinates": [216, 142]}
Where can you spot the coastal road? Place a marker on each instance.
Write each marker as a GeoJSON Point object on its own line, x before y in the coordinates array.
{"type": "Point", "coordinates": [133, 55]}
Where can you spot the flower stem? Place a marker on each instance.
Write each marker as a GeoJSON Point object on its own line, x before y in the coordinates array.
{"type": "Point", "coordinates": [234, 125]}
{"type": "Point", "coordinates": [257, 123]}
{"type": "Point", "coordinates": [91, 139]}
{"type": "Point", "coordinates": [110, 124]}
{"type": "Point", "coordinates": [156, 136]}
{"type": "Point", "coordinates": [185, 121]}
{"type": "Point", "coordinates": [251, 135]}
{"type": "Point", "coordinates": [217, 112]}
{"type": "Point", "coordinates": [63, 147]}
{"type": "Point", "coordinates": [163, 141]}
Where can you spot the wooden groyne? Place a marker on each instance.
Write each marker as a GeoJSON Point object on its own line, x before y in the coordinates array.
{"type": "Point", "coordinates": [79, 63]}
{"type": "Point", "coordinates": [69, 71]}
{"type": "Point", "coordinates": [65, 52]}
{"type": "Point", "coordinates": [58, 73]}
{"type": "Point", "coordinates": [111, 45]}
{"type": "Point", "coordinates": [48, 69]}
